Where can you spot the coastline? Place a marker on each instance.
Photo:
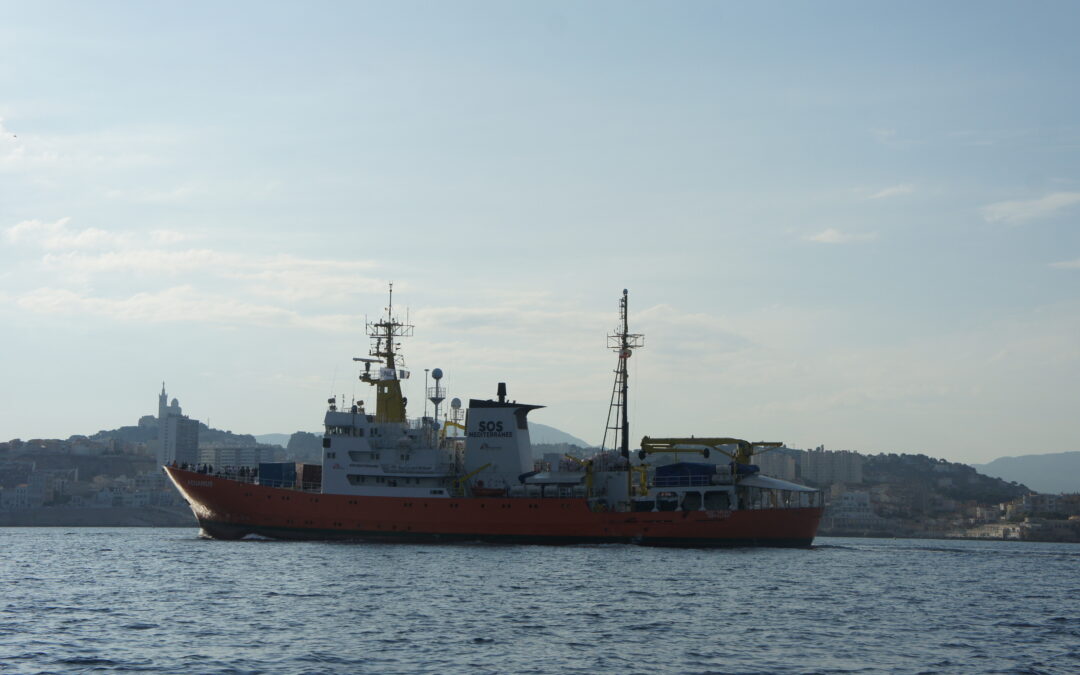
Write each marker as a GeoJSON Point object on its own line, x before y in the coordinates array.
{"type": "Point", "coordinates": [118, 516]}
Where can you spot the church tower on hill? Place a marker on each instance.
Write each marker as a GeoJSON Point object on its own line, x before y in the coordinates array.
{"type": "Point", "coordinates": [178, 435]}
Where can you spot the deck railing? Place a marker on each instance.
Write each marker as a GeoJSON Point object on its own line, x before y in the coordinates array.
{"type": "Point", "coordinates": [680, 481]}
{"type": "Point", "coordinates": [251, 477]}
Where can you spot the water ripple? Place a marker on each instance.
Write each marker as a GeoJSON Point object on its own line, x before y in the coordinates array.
{"type": "Point", "coordinates": [168, 601]}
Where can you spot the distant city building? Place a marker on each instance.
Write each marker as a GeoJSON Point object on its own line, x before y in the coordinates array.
{"type": "Point", "coordinates": [1036, 504]}
{"type": "Point", "coordinates": [15, 473]}
{"type": "Point", "coordinates": [235, 456]}
{"type": "Point", "coordinates": [178, 435]}
{"type": "Point", "coordinates": [852, 511]}
{"type": "Point", "coordinates": [20, 497]}
{"type": "Point", "coordinates": [823, 466]}
{"type": "Point", "coordinates": [777, 464]}
{"type": "Point", "coordinates": [553, 460]}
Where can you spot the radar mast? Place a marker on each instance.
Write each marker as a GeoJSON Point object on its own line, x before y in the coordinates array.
{"type": "Point", "coordinates": [384, 333]}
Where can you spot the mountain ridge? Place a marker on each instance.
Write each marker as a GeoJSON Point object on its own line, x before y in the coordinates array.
{"type": "Point", "coordinates": [542, 434]}
{"type": "Point", "coordinates": [1053, 472]}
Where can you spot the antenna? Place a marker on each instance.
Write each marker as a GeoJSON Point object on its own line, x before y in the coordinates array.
{"type": "Point", "coordinates": [623, 342]}
{"type": "Point", "coordinates": [383, 333]}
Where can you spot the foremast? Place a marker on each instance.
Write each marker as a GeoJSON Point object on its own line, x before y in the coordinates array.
{"type": "Point", "coordinates": [384, 333]}
{"type": "Point", "coordinates": [623, 342]}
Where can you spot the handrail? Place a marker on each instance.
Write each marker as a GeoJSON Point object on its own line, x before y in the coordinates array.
{"type": "Point", "coordinates": [254, 479]}
{"type": "Point", "coordinates": [680, 481]}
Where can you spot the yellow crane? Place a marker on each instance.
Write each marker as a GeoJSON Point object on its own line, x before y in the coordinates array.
{"type": "Point", "coordinates": [745, 450]}
{"type": "Point", "coordinates": [587, 465]}
{"type": "Point", "coordinates": [442, 432]}
{"type": "Point", "coordinates": [459, 483]}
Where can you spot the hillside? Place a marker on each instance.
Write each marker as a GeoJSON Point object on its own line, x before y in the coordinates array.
{"type": "Point", "coordinates": [304, 446]}
{"type": "Point", "coordinates": [88, 466]}
{"type": "Point", "coordinates": [1052, 473]}
{"type": "Point", "coordinates": [147, 433]}
{"type": "Point", "coordinates": [281, 440]}
{"type": "Point", "coordinates": [927, 476]}
{"type": "Point", "coordinates": [542, 434]}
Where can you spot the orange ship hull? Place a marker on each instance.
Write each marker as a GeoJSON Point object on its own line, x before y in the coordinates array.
{"type": "Point", "coordinates": [229, 509]}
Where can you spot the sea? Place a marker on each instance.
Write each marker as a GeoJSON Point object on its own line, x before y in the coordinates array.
{"type": "Point", "coordinates": [130, 600]}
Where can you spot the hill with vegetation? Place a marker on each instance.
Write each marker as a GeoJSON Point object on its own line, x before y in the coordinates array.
{"type": "Point", "coordinates": [940, 478]}
{"type": "Point", "coordinates": [280, 440]}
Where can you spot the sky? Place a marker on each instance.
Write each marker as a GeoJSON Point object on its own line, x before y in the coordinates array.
{"type": "Point", "coordinates": [849, 224]}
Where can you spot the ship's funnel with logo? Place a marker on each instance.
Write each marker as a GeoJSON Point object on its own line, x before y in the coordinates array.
{"type": "Point", "coordinates": [497, 445]}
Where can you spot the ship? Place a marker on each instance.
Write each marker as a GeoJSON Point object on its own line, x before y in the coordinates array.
{"type": "Point", "coordinates": [469, 475]}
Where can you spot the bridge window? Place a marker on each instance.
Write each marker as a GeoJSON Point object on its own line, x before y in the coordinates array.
{"type": "Point", "coordinates": [716, 500]}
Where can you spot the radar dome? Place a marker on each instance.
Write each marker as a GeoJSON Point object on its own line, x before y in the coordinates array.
{"type": "Point", "coordinates": [456, 404]}
{"type": "Point", "coordinates": [437, 373]}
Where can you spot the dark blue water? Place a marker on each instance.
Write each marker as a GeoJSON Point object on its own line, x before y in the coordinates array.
{"type": "Point", "coordinates": [166, 601]}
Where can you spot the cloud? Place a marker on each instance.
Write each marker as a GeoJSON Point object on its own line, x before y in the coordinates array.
{"type": "Point", "coordinates": [91, 151]}
{"type": "Point", "coordinates": [891, 138]}
{"type": "Point", "coordinates": [153, 196]}
{"type": "Point", "coordinates": [32, 231]}
{"type": "Point", "coordinates": [1021, 211]}
{"type": "Point", "coordinates": [58, 236]}
{"type": "Point", "coordinates": [138, 260]}
{"type": "Point", "coordinates": [147, 277]}
{"type": "Point", "coordinates": [285, 278]}
{"type": "Point", "coordinates": [11, 148]}
{"type": "Point", "coordinates": [292, 279]}
{"type": "Point", "coordinates": [835, 236]}
{"type": "Point", "coordinates": [903, 189]}
{"type": "Point", "coordinates": [165, 237]}
{"type": "Point", "coordinates": [535, 328]}
{"type": "Point", "coordinates": [177, 304]}
{"type": "Point", "coordinates": [1067, 264]}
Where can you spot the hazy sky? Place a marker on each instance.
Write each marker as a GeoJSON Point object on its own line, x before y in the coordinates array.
{"type": "Point", "coordinates": [850, 224]}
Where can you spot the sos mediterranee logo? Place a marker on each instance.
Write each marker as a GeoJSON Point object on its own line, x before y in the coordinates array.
{"type": "Point", "coordinates": [490, 430]}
